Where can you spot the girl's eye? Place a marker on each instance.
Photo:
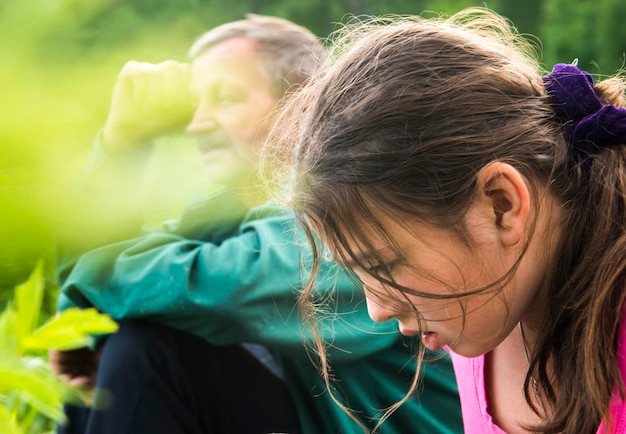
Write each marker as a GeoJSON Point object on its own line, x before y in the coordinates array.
{"type": "Point", "coordinates": [381, 269]}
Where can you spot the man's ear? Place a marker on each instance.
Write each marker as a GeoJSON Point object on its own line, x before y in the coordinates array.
{"type": "Point", "coordinates": [505, 194]}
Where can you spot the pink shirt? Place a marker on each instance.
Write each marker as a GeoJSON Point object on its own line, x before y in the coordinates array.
{"type": "Point", "coordinates": [470, 375]}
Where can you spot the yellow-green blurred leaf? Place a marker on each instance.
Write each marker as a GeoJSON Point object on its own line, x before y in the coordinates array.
{"type": "Point", "coordinates": [70, 330]}
{"type": "Point", "coordinates": [8, 425]}
{"type": "Point", "coordinates": [8, 340]}
{"type": "Point", "coordinates": [28, 298]}
{"type": "Point", "coordinates": [35, 384]}
{"type": "Point", "coordinates": [66, 340]}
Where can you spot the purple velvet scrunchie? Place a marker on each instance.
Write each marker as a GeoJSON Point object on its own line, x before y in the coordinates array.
{"type": "Point", "coordinates": [588, 124]}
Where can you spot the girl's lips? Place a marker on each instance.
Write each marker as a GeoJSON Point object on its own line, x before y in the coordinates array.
{"type": "Point", "coordinates": [431, 341]}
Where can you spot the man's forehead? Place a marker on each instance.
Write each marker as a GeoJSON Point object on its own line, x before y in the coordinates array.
{"type": "Point", "coordinates": [230, 59]}
{"type": "Point", "coordinates": [236, 49]}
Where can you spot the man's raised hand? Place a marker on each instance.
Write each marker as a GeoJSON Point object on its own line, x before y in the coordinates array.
{"type": "Point", "coordinates": [148, 100]}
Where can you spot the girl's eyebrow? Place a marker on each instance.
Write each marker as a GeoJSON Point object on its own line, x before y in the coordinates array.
{"type": "Point", "coordinates": [366, 257]}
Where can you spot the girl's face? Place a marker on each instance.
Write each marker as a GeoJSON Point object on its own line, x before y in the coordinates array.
{"type": "Point", "coordinates": [436, 261]}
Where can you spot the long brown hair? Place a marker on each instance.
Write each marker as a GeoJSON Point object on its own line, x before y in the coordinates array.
{"type": "Point", "coordinates": [402, 121]}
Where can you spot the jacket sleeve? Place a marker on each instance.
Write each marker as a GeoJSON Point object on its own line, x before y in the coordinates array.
{"type": "Point", "coordinates": [103, 205]}
{"type": "Point", "coordinates": [242, 288]}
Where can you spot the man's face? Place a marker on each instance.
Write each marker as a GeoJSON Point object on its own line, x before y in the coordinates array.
{"type": "Point", "coordinates": [234, 104]}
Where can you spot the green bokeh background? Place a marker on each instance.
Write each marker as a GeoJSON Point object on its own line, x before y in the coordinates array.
{"type": "Point", "coordinates": [59, 60]}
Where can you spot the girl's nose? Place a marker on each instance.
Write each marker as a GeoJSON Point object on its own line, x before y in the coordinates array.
{"type": "Point", "coordinates": [378, 311]}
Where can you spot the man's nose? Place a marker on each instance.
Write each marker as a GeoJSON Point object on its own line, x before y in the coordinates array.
{"type": "Point", "coordinates": [203, 119]}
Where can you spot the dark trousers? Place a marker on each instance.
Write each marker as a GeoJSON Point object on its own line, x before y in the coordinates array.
{"type": "Point", "coordinates": [153, 379]}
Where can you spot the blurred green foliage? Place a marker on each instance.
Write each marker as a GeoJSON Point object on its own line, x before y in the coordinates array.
{"type": "Point", "coordinates": [592, 32]}
{"type": "Point", "coordinates": [30, 394]}
{"type": "Point", "coordinates": [60, 59]}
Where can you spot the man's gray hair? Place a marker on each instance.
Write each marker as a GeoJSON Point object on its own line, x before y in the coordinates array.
{"type": "Point", "coordinates": [288, 53]}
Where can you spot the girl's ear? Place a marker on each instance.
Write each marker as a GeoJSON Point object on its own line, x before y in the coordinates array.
{"type": "Point", "coordinates": [505, 195]}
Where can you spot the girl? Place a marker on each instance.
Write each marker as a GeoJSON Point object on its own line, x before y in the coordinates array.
{"type": "Point", "coordinates": [482, 206]}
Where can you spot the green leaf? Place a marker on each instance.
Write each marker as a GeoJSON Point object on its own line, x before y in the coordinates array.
{"type": "Point", "coordinates": [8, 340]}
{"type": "Point", "coordinates": [35, 384]}
{"type": "Point", "coordinates": [28, 298]}
{"type": "Point", "coordinates": [8, 425]}
{"type": "Point", "coordinates": [72, 329]}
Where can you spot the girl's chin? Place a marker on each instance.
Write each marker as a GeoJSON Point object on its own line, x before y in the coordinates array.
{"type": "Point", "coordinates": [469, 351]}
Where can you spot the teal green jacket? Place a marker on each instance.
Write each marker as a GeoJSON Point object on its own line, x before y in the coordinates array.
{"type": "Point", "coordinates": [231, 276]}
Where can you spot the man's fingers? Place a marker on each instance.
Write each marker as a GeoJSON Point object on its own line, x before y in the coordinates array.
{"type": "Point", "coordinates": [81, 381]}
{"type": "Point", "coordinates": [73, 363]}
{"type": "Point", "coordinates": [148, 100]}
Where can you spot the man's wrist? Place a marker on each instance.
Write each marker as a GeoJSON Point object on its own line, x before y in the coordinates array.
{"type": "Point", "coordinates": [112, 140]}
